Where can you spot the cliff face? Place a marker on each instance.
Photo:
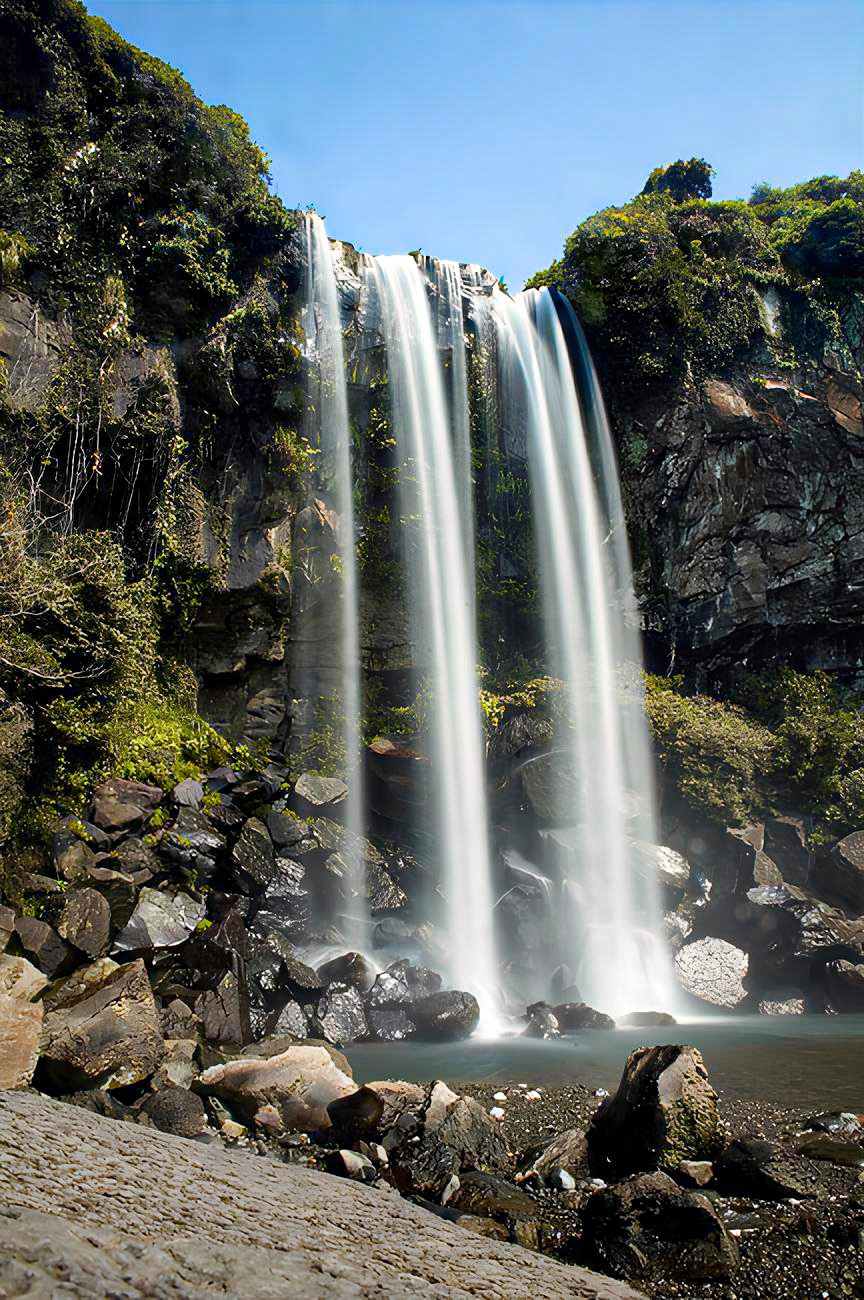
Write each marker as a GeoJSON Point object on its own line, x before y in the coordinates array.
{"type": "Point", "coordinates": [730, 338]}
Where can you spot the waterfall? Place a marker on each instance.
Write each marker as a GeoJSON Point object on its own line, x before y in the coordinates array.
{"type": "Point", "coordinates": [324, 350]}
{"type": "Point", "coordinates": [436, 495]}
{"type": "Point", "coordinates": [610, 924]}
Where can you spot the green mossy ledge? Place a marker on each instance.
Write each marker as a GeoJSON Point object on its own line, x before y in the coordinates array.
{"type": "Point", "coordinates": [156, 485]}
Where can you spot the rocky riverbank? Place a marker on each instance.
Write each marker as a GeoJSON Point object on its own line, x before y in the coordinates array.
{"type": "Point", "coordinates": [657, 1185]}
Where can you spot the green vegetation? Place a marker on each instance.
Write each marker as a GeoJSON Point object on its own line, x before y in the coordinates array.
{"type": "Point", "coordinates": [791, 740]}
{"type": "Point", "coordinates": [672, 281]}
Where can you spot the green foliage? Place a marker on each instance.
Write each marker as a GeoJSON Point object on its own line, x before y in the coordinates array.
{"type": "Point", "coordinates": [681, 180]}
{"type": "Point", "coordinates": [14, 251]}
{"type": "Point", "coordinates": [712, 752]}
{"type": "Point", "coordinates": [162, 741]}
{"type": "Point", "coordinates": [789, 740]}
{"type": "Point", "coordinates": [670, 282]}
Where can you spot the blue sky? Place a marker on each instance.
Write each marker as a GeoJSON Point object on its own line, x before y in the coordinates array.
{"type": "Point", "coordinates": [485, 130]}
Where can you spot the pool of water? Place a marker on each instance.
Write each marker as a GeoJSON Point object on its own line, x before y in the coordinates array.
{"type": "Point", "coordinates": [813, 1061]}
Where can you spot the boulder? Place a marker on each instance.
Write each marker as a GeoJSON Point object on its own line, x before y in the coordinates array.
{"type": "Point", "coordinates": [179, 1020]}
{"type": "Point", "coordinates": [178, 1068]}
{"type": "Point", "coordinates": [713, 970]}
{"type": "Point", "coordinates": [542, 1022]}
{"type": "Point", "coordinates": [453, 1134]}
{"type": "Point", "coordinates": [286, 830]}
{"type": "Point", "coordinates": [399, 1099]}
{"type": "Point", "coordinates": [339, 1016]}
{"type": "Point", "coordinates": [118, 888]}
{"type": "Point", "coordinates": [43, 944]}
{"type": "Point", "coordinates": [647, 1225]}
{"type": "Point", "coordinates": [841, 873]}
{"type": "Point", "coordinates": [160, 920]}
{"type": "Point", "coordinates": [445, 1016]}
{"type": "Point", "coordinates": [188, 793]}
{"type": "Point", "coordinates": [351, 968]}
{"type": "Point", "coordinates": [390, 1023]}
{"type": "Point", "coordinates": [844, 985]}
{"type": "Point", "coordinates": [72, 857]}
{"type": "Point", "coordinates": [567, 1151]}
{"type": "Point", "coordinates": [663, 1112]}
{"type": "Point", "coordinates": [287, 1019]}
{"type": "Point", "coordinates": [176, 1110]}
{"type": "Point", "coordinates": [300, 1082]}
{"type": "Point", "coordinates": [786, 844]}
{"type": "Point", "coordinates": [20, 1020]}
{"type": "Point", "coordinates": [695, 1173]}
{"type": "Point", "coordinates": [122, 807]}
{"type": "Point", "coordinates": [192, 843]}
{"type": "Point", "coordinates": [253, 857]}
{"type": "Point", "coordinates": [783, 1002]}
{"type": "Point", "coordinates": [85, 921]}
{"type": "Point", "coordinates": [358, 1115]}
{"type": "Point", "coordinates": [490, 1196]}
{"type": "Point", "coordinates": [572, 1016]}
{"type": "Point", "coordinates": [224, 1011]}
{"type": "Point", "coordinates": [109, 1036]}
{"type": "Point", "coordinates": [317, 792]}
{"type": "Point", "coordinates": [754, 1167]}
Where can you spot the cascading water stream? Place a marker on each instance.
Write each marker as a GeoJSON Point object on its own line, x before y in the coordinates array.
{"type": "Point", "coordinates": [612, 933]}
{"type": "Point", "coordinates": [324, 348]}
{"type": "Point", "coordinates": [442, 595]}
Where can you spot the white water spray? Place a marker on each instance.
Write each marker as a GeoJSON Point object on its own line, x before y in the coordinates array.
{"type": "Point", "coordinates": [324, 347]}
{"type": "Point", "coordinates": [612, 933]}
{"type": "Point", "coordinates": [442, 595]}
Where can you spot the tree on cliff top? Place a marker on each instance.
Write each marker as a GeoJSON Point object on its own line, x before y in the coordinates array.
{"type": "Point", "coordinates": [681, 180]}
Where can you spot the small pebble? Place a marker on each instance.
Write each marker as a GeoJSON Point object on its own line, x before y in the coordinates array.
{"type": "Point", "coordinates": [496, 1112]}
{"type": "Point", "coordinates": [499, 1096]}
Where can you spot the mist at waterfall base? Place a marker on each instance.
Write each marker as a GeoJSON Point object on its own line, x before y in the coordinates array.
{"type": "Point", "coordinates": [604, 916]}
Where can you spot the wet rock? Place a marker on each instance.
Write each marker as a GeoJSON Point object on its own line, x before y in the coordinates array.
{"type": "Point", "coordinates": [119, 891]}
{"type": "Point", "coordinates": [786, 844]}
{"type": "Point", "coordinates": [224, 1011]}
{"type": "Point", "coordinates": [713, 970]}
{"type": "Point", "coordinates": [288, 896]}
{"type": "Point", "coordinates": [646, 1019]}
{"type": "Point", "coordinates": [835, 1121]}
{"type": "Point", "coordinates": [542, 1022]}
{"type": "Point", "coordinates": [175, 1110]}
{"type": "Point", "coordinates": [783, 1002]}
{"type": "Point", "coordinates": [340, 1016]}
{"type": "Point", "coordinates": [160, 920]}
{"type": "Point", "coordinates": [254, 858]}
{"type": "Point", "coordinates": [124, 806]}
{"type": "Point", "coordinates": [753, 1167]}
{"type": "Point", "coordinates": [320, 791]}
{"type": "Point", "coordinates": [193, 843]}
{"type": "Point", "coordinates": [842, 872]}
{"type": "Point", "coordinates": [844, 985]}
{"type": "Point", "coordinates": [351, 968]}
{"type": "Point", "coordinates": [358, 1115]}
{"type": "Point", "coordinates": [188, 793]}
{"type": "Point", "coordinates": [819, 1146]}
{"type": "Point", "coordinates": [288, 1019]}
{"type": "Point", "coordinates": [44, 946]}
{"type": "Point", "coordinates": [402, 983]}
{"type": "Point", "coordinates": [567, 1151]}
{"type": "Point", "coordinates": [390, 1023]}
{"type": "Point", "coordinates": [663, 1112]}
{"type": "Point", "coordinates": [647, 1224]}
{"type": "Point", "coordinates": [445, 1016]}
{"type": "Point", "coordinates": [455, 1134]}
{"type": "Point", "coordinates": [286, 830]}
{"type": "Point", "coordinates": [108, 1037]}
{"type": "Point", "coordinates": [573, 1016]}
{"type": "Point", "coordinates": [490, 1196]}
{"type": "Point", "coordinates": [300, 1082]}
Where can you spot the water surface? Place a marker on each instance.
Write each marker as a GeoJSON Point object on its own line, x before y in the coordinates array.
{"type": "Point", "coordinates": [812, 1061]}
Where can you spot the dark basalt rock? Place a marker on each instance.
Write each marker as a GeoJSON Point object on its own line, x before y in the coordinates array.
{"type": "Point", "coordinates": [492, 1197]}
{"type": "Point", "coordinates": [120, 807]}
{"type": "Point", "coordinates": [177, 1111]}
{"type": "Point", "coordinates": [445, 1016]}
{"type": "Point", "coordinates": [646, 1019]}
{"type": "Point", "coordinates": [351, 968]}
{"type": "Point", "coordinates": [108, 1036]}
{"type": "Point", "coordinates": [753, 1167]}
{"type": "Point", "coordinates": [842, 872]}
{"type": "Point", "coordinates": [647, 1224]}
{"type": "Point", "coordinates": [390, 1022]}
{"type": "Point", "coordinates": [567, 1151]}
{"type": "Point", "coordinates": [572, 1016]}
{"type": "Point", "coordinates": [254, 858]}
{"type": "Point", "coordinates": [224, 1011]}
{"type": "Point", "coordinates": [160, 920]}
{"type": "Point", "coordinates": [286, 831]}
{"type": "Point", "coordinates": [317, 792]}
{"type": "Point", "coordinates": [85, 921]}
{"type": "Point", "coordinates": [192, 843]}
{"type": "Point", "coordinates": [119, 891]}
{"type": "Point", "coordinates": [450, 1135]}
{"type": "Point", "coordinates": [339, 1016]}
{"type": "Point", "coordinates": [663, 1112]}
{"type": "Point", "coordinates": [542, 1022]}
{"type": "Point", "coordinates": [358, 1115]}
{"type": "Point", "coordinates": [44, 947]}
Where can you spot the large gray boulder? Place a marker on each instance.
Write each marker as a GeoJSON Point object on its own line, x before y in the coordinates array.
{"type": "Point", "coordinates": [20, 1020]}
{"type": "Point", "coordinates": [106, 1036]}
{"type": "Point", "coordinates": [160, 920]}
{"type": "Point", "coordinates": [663, 1112]}
{"type": "Point", "coordinates": [300, 1082]}
{"type": "Point", "coordinates": [713, 970]}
